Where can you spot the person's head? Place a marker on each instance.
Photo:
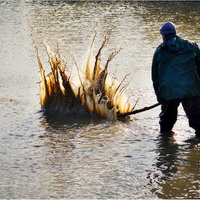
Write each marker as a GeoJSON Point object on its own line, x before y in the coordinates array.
{"type": "Point", "coordinates": [167, 28]}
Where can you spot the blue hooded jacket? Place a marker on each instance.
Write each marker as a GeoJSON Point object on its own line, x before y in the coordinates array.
{"type": "Point", "coordinates": [176, 69]}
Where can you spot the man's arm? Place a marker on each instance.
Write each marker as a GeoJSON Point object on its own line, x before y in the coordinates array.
{"type": "Point", "coordinates": [154, 75]}
{"type": "Point", "coordinates": [197, 59]}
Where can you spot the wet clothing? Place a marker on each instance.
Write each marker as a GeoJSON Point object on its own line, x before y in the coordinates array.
{"type": "Point", "coordinates": [176, 79]}
{"type": "Point", "coordinates": [168, 115]}
{"type": "Point", "coordinates": [176, 69]}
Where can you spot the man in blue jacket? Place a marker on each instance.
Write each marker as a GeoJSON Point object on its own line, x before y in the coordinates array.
{"type": "Point", "coordinates": [176, 79]}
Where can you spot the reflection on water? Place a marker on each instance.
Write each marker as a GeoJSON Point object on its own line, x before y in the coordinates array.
{"type": "Point", "coordinates": [179, 170]}
{"type": "Point", "coordinates": [46, 157]}
{"type": "Point", "coordinates": [102, 161]}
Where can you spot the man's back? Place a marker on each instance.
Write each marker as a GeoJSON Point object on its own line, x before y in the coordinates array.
{"type": "Point", "coordinates": [174, 70]}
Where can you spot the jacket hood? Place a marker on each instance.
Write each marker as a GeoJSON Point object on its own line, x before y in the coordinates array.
{"type": "Point", "coordinates": [173, 43]}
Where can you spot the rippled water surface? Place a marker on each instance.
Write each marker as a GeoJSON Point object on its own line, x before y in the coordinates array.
{"type": "Point", "coordinates": [57, 157]}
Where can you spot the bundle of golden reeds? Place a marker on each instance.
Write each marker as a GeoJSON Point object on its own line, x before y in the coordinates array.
{"type": "Point", "coordinates": [92, 91]}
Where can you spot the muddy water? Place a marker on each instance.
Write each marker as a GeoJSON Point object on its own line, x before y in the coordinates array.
{"type": "Point", "coordinates": [47, 157]}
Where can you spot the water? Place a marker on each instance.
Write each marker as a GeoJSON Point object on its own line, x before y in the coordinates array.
{"type": "Point", "coordinates": [46, 157]}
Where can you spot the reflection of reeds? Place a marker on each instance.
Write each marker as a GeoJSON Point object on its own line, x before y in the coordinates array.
{"type": "Point", "coordinates": [92, 91]}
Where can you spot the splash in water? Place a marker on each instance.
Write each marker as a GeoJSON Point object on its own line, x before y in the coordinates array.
{"type": "Point", "coordinates": [91, 91]}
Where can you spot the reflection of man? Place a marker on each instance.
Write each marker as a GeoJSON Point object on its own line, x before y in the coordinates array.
{"type": "Point", "coordinates": [177, 172]}
{"type": "Point", "coordinates": [175, 76]}
{"type": "Point", "coordinates": [167, 157]}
